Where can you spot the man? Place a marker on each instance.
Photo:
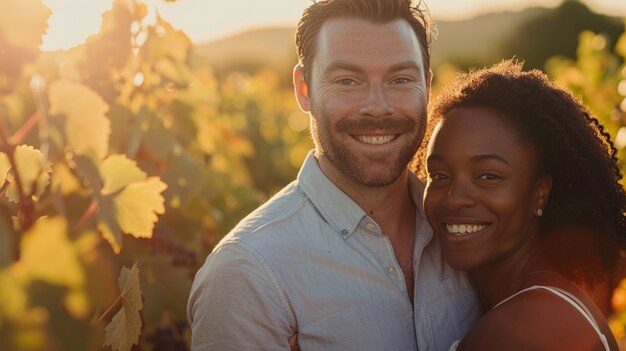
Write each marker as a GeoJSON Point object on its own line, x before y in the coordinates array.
{"type": "Point", "coordinates": [343, 256]}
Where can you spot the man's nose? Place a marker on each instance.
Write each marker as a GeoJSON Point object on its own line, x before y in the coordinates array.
{"type": "Point", "coordinates": [376, 104]}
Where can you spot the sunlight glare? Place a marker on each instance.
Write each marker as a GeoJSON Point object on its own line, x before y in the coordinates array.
{"type": "Point", "coordinates": [72, 21]}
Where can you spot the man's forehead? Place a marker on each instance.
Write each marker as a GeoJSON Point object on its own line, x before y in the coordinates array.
{"type": "Point", "coordinates": [357, 39]}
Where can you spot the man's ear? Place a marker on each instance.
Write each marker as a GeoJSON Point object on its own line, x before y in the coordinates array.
{"type": "Point", "coordinates": [429, 81]}
{"type": "Point", "coordinates": [301, 88]}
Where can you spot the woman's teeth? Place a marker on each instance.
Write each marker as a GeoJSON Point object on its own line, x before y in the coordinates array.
{"type": "Point", "coordinates": [464, 228]}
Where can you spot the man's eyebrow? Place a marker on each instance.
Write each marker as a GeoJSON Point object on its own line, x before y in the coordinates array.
{"type": "Point", "coordinates": [347, 66]}
{"type": "Point", "coordinates": [343, 66]}
{"type": "Point", "coordinates": [406, 65]}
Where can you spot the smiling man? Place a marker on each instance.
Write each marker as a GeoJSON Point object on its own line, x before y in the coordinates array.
{"type": "Point", "coordinates": [343, 256]}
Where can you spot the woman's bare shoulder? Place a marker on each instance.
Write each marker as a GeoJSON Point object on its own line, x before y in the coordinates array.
{"type": "Point", "coordinates": [533, 320]}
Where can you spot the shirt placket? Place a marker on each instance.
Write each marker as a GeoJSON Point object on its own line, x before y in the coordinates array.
{"type": "Point", "coordinates": [386, 257]}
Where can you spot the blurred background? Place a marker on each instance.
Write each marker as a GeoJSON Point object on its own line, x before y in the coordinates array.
{"type": "Point", "coordinates": [134, 134]}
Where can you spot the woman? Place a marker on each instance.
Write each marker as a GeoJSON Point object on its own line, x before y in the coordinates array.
{"type": "Point", "coordinates": [523, 191]}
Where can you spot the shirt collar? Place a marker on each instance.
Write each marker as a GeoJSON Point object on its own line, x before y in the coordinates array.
{"type": "Point", "coordinates": [337, 208]}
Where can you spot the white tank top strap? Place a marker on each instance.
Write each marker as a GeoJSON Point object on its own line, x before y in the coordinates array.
{"type": "Point", "coordinates": [572, 300]}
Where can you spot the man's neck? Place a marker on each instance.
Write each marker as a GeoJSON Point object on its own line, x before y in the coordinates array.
{"type": "Point", "coordinates": [390, 205]}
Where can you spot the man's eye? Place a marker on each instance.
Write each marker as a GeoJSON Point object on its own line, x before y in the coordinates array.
{"type": "Point", "coordinates": [346, 81]}
{"type": "Point", "coordinates": [402, 80]}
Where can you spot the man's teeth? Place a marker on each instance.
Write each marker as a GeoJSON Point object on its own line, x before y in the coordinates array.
{"type": "Point", "coordinates": [383, 139]}
{"type": "Point", "coordinates": [464, 228]}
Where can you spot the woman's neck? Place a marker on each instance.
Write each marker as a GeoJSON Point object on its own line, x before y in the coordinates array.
{"type": "Point", "coordinates": [498, 280]}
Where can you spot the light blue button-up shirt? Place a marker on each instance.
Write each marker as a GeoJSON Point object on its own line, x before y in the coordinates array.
{"type": "Point", "coordinates": [310, 260]}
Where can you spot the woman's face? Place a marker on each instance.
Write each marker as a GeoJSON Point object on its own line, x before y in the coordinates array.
{"type": "Point", "coordinates": [483, 191]}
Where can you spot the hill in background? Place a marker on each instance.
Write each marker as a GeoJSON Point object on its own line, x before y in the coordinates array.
{"type": "Point", "coordinates": [533, 34]}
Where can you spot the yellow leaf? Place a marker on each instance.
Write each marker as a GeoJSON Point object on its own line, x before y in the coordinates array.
{"type": "Point", "coordinates": [5, 166]}
{"type": "Point", "coordinates": [13, 296]}
{"type": "Point", "coordinates": [63, 180]}
{"type": "Point", "coordinates": [48, 254]}
{"type": "Point", "coordinates": [33, 170]}
{"type": "Point", "coordinates": [137, 206]}
{"type": "Point", "coordinates": [86, 127]}
{"type": "Point", "coordinates": [23, 22]}
{"type": "Point", "coordinates": [123, 330]}
{"type": "Point", "coordinates": [165, 42]}
{"type": "Point", "coordinates": [118, 172]}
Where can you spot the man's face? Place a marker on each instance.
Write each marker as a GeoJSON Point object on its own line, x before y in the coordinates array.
{"type": "Point", "coordinates": [367, 98]}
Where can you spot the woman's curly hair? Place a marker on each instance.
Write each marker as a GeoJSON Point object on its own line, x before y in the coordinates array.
{"type": "Point", "coordinates": [575, 149]}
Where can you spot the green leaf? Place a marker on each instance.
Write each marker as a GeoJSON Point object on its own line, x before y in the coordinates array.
{"type": "Point", "coordinates": [165, 288]}
{"type": "Point", "coordinates": [87, 127]}
{"type": "Point", "coordinates": [620, 47]}
{"type": "Point", "coordinates": [33, 170]}
{"type": "Point", "coordinates": [107, 224]}
{"type": "Point", "coordinates": [124, 329]}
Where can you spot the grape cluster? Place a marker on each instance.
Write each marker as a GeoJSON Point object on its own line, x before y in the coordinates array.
{"type": "Point", "coordinates": [170, 337]}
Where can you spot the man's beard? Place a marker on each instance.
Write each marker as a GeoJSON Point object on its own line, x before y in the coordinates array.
{"type": "Point", "coordinates": [368, 169]}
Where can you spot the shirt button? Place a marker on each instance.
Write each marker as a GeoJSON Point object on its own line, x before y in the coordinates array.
{"type": "Point", "coordinates": [370, 226]}
{"type": "Point", "coordinates": [391, 270]}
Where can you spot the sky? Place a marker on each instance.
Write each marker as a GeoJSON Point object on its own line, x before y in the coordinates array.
{"type": "Point", "coordinates": [73, 21]}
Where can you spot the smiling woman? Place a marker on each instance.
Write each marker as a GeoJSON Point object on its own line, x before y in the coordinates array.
{"type": "Point", "coordinates": [523, 191]}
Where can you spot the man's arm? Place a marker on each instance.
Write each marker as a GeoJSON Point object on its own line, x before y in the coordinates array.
{"type": "Point", "coordinates": [237, 304]}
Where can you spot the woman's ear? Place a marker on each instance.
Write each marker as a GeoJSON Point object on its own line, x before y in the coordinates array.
{"type": "Point", "coordinates": [301, 88]}
{"type": "Point", "coordinates": [543, 188]}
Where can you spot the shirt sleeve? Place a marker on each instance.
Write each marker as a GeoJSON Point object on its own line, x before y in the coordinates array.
{"type": "Point", "coordinates": [236, 303]}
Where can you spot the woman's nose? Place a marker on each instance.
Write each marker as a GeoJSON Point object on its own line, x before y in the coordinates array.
{"type": "Point", "coordinates": [459, 196]}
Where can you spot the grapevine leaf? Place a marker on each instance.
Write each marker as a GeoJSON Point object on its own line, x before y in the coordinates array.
{"type": "Point", "coordinates": [620, 47]}
{"type": "Point", "coordinates": [87, 167]}
{"type": "Point", "coordinates": [166, 42]}
{"type": "Point", "coordinates": [48, 254]}
{"type": "Point", "coordinates": [107, 224]}
{"type": "Point", "coordinates": [137, 206]}
{"type": "Point", "coordinates": [123, 330]}
{"type": "Point", "coordinates": [23, 22]}
{"type": "Point", "coordinates": [87, 127]}
{"type": "Point", "coordinates": [63, 180]}
{"type": "Point", "coordinates": [7, 240]}
{"type": "Point", "coordinates": [33, 170]}
{"type": "Point", "coordinates": [166, 288]}
{"type": "Point", "coordinates": [118, 172]}
{"type": "Point", "coordinates": [5, 166]}
{"type": "Point", "coordinates": [128, 201]}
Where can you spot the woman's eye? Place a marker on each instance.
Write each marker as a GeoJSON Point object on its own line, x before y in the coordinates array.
{"type": "Point", "coordinates": [437, 176]}
{"type": "Point", "coordinates": [489, 177]}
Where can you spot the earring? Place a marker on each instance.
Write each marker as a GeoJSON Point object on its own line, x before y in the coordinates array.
{"type": "Point", "coordinates": [539, 212]}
